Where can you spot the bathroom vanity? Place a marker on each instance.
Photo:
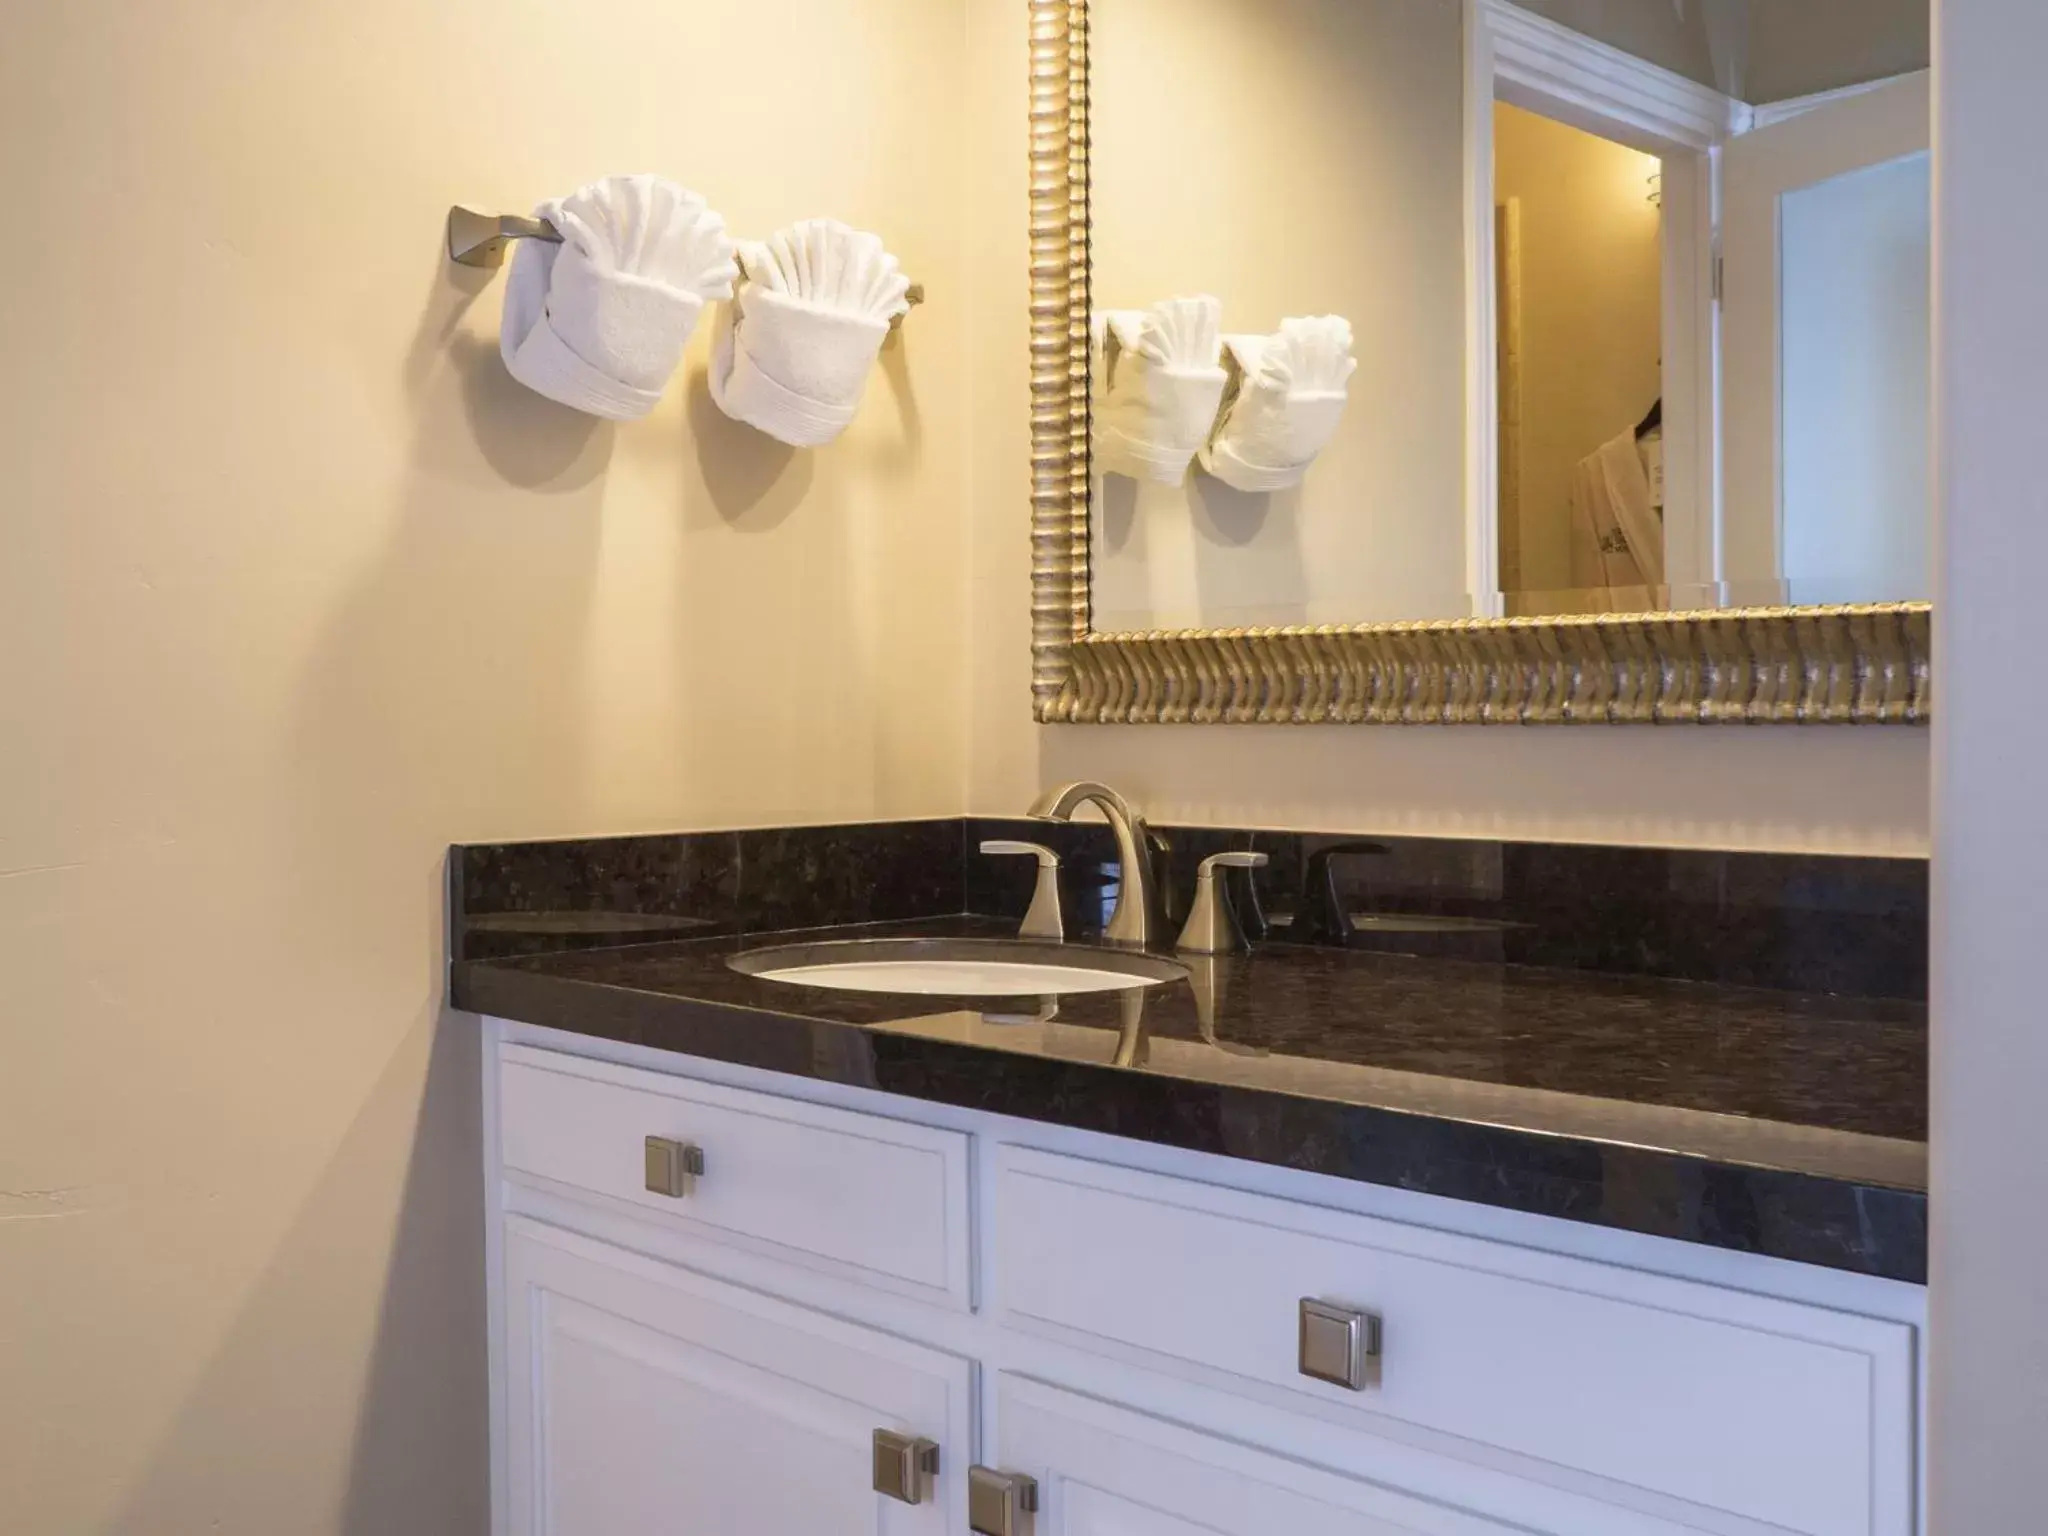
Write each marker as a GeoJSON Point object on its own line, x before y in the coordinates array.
{"type": "Point", "coordinates": [1492, 1188]}
{"type": "Point", "coordinates": [1307, 1239]}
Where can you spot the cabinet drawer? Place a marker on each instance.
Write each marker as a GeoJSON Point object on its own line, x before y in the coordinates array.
{"type": "Point", "coordinates": [883, 1201]}
{"type": "Point", "coordinates": [1788, 1415]}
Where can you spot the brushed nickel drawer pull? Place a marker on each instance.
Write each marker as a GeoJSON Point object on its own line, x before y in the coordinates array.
{"type": "Point", "coordinates": [904, 1466]}
{"type": "Point", "coordinates": [1000, 1503]}
{"type": "Point", "coordinates": [672, 1166]}
{"type": "Point", "coordinates": [1339, 1344]}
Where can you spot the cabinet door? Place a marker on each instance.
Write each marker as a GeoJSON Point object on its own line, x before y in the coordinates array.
{"type": "Point", "coordinates": [1105, 1470]}
{"type": "Point", "coordinates": [644, 1400]}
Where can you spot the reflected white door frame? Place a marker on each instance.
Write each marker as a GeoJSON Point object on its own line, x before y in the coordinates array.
{"type": "Point", "coordinates": [1533, 63]}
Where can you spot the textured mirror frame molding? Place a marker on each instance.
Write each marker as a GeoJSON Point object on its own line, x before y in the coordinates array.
{"type": "Point", "coordinates": [1864, 664]}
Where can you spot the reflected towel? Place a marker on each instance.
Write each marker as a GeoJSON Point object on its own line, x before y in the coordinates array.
{"type": "Point", "coordinates": [1287, 393]}
{"type": "Point", "coordinates": [1162, 380]}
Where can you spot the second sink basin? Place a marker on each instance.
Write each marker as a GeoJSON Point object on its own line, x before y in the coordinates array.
{"type": "Point", "coordinates": [956, 967]}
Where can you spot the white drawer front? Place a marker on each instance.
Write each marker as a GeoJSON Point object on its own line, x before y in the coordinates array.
{"type": "Point", "coordinates": [1771, 1411]}
{"type": "Point", "coordinates": [882, 1199]}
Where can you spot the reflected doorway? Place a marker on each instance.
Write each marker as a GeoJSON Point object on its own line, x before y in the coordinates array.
{"type": "Point", "coordinates": [1579, 309]}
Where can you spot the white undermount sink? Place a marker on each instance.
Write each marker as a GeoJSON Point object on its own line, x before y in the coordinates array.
{"type": "Point", "coordinates": [956, 967]}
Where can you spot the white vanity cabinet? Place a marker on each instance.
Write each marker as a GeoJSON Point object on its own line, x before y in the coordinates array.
{"type": "Point", "coordinates": [1117, 1335]}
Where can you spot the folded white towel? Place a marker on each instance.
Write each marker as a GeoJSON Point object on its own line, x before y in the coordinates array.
{"type": "Point", "coordinates": [794, 350]}
{"type": "Point", "coordinates": [1287, 392]}
{"type": "Point", "coordinates": [1162, 379]}
{"type": "Point", "coordinates": [600, 321]}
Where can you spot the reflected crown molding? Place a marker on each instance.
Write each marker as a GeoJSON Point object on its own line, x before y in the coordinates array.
{"type": "Point", "coordinates": [1864, 664]}
{"type": "Point", "coordinates": [1547, 67]}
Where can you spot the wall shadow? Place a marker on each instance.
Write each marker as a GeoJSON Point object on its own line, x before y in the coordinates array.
{"type": "Point", "coordinates": [905, 450]}
{"type": "Point", "coordinates": [525, 439]}
{"type": "Point", "coordinates": [1116, 511]}
{"type": "Point", "coordinates": [1226, 515]}
{"type": "Point", "coordinates": [1250, 566]}
{"type": "Point", "coordinates": [754, 482]}
{"type": "Point", "coordinates": [421, 1402]}
{"type": "Point", "coordinates": [442, 693]}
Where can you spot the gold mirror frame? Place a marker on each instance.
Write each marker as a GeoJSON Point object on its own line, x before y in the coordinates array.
{"type": "Point", "coordinates": [1866, 664]}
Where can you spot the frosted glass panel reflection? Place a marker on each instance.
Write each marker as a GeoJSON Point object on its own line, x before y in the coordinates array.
{"type": "Point", "coordinates": [1855, 357]}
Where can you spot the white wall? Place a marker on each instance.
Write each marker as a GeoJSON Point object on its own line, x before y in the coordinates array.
{"type": "Point", "coordinates": [1989, 1394]}
{"type": "Point", "coordinates": [296, 588]}
{"type": "Point", "coordinates": [1845, 791]}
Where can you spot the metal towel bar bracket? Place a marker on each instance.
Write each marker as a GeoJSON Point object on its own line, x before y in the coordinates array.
{"type": "Point", "coordinates": [477, 239]}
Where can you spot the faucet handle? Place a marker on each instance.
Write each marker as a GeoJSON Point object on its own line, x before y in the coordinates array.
{"type": "Point", "coordinates": [1232, 860]}
{"type": "Point", "coordinates": [1047, 858]}
{"type": "Point", "coordinates": [1211, 927]}
{"type": "Point", "coordinates": [1324, 917]}
{"type": "Point", "coordinates": [1043, 920]}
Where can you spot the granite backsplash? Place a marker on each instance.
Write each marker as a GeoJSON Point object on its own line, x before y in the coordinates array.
{"type": "Point", "coordinates": [1846, 926]}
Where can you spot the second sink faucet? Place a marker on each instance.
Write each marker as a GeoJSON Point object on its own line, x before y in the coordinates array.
{"type": "Point", "coordinates": [1136, 919]}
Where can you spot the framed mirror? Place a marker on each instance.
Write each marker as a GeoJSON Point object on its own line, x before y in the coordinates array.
{"type": "Point", "coordinates": [1442, 361]}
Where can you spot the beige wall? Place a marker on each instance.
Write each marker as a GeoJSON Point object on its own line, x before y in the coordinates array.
{"type": "Point", "coordinates": [1592, 324]}
{"type": "Point", "coordinates": [296, 587]}
{"type": "Point", "coordinates": [1740, 788]}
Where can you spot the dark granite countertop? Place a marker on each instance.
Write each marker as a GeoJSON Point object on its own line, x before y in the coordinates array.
{"type": "Point", "coordinates": [1759, 1120]}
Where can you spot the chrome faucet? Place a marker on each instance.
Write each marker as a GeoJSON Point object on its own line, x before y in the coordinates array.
{"type": "Point", "coordinates": [1136, 919]}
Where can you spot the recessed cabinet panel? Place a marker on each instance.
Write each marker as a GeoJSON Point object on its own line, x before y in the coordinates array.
{"type": "Point", "coordinates": [1103, 1470]}
{"type": "Point", "coordinates": [1787, 1415]}
{"type": "Point", "coordinates": [646, 1399]}
{"type": "Point", "coordinates": [884, 1201]}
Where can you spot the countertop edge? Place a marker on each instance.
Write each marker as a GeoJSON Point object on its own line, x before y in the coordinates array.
{"type": "Point", "coordinates": [1855, 1225]}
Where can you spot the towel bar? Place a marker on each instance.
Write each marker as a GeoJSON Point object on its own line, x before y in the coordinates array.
{"type": "Point", "coordinates": [477, 239]}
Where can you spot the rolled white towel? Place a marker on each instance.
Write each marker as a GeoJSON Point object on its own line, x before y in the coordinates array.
{"type": "Point", "coordinates": [795, 348]}
{"type": "Point", "coordinates": [1287, 393]}
{"type": "Point", "coordinates": [1162, 380]}
{"type": "Point", "coordinates": [599, 322]}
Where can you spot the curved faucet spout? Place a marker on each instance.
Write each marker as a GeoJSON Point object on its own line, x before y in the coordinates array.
{"type": "Point", "coordinates": [1135, 920]}
{"type": "Point", "coordinates": [1059, 804]}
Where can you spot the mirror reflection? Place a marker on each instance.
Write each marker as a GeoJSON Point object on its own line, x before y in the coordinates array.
{"type": "Point", "coordinates": [1408, 309]}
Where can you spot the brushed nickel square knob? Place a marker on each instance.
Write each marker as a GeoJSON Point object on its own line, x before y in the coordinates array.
{"type": "Point", "coordinates": [1339, 1344]}
{"type": "Point", "coordinates": [672, 1165]}
{"type": "Point", "coordinates": [904, 1466]}
{"type": "Point", "coordinates": [1000, 1503]}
